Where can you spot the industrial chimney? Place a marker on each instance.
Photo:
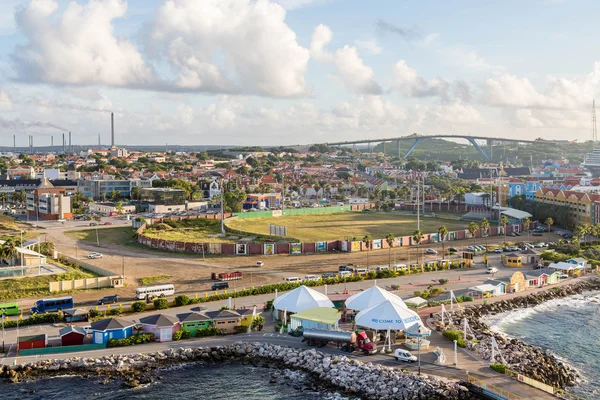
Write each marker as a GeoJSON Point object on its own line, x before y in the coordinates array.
{"type": "Point", "coordinates": [70, 147]}
{"type": "Point", "coordinates": [64, 145]}
{"type": "Point", "coordinates": [112, 129]}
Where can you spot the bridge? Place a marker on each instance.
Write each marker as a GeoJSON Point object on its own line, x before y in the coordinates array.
{"type": "Point", "coordinates": [419, 138]}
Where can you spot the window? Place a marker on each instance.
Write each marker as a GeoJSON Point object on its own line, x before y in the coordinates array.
{"type": "Point", "coordinates": [220, 322]}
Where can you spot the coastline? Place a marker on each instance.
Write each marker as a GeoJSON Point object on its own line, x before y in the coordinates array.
{"type": "Point", "coordinates": [345, 376]}
{"type": "Point", "coordinates": [522, 357]}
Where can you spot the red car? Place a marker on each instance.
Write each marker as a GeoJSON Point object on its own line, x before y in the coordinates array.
{"type": "Point", "coordinates": [108, 223]}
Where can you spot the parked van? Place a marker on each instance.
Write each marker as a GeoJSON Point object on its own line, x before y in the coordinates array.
{"type": "Point", "coordinates": [361, 271]}
{"type": "Point", "coordinates": [293, 279]}
{"type": "Point", "coordinates": [310, 278]}
{"type": "Point", "coordinates": [382, 268]}
{"type": "Point", "coordinates": [400, 267]}
{"type": "Point", "coordinates": [344, 274]}
{"type": "Point", "coordinates": [220, 285]}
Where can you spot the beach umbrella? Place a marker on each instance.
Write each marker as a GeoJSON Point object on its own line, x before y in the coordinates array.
{"type": "Point", "coordinates": [371, 297]}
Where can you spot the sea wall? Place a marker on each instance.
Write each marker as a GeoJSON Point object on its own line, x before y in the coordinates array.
{"type": "Point", "coordinates": [345, 375]}
{"type": "Point", "coordinates": [521, 357]}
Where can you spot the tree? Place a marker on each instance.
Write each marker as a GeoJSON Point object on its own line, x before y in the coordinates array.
{"type": "Point", "coordinates": [527, 225]}
{"type": "Point", "coordinates": [119, 208]}
{"type": "Point", "coordinates": [503, 222]}
{"type": "Point", "coordinates": [473, 228]}
{"type": "Point", "coordinates": [417, 238]}
{"type": "Point", "coordinates": [484, 226]}
{"type": "Point", "coordinates": [549, 222]}
{"type": "Point", "coordinates": [390, 241]}
{"type": "Point", "coordinates": [9, 249]}
{"type": "Point", "coordinates": [442, 233]}
{"type": "Point", "coordinates": [136, 193]}
{"type": "Point", "coordinates": [115, 195]}
{"type": "Point", "coordinates": [367, 241]}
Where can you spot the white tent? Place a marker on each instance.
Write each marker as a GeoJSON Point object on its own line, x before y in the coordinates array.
{"type": "Point", "coordinates": [371, 297]}
{"type": "Point", "coordinates": [387, 315]}
{"type": "Point", "coordinates": [300, 299]}
{"type": "Point", "coordinates": [416, 302]}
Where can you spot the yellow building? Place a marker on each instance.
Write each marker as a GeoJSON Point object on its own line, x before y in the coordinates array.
{"type": "Point", "coordinates": [513, 260]}
{"type": "Point", "coordinates": [580, 205]}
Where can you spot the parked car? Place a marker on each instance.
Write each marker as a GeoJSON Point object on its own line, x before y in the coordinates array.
{"type": "Point", "coordinates": [311, 278]}
{"type": "Point", "coordinates": [431, 251]}
{"type": "Point", "coordinates": [404, 355]}
{"type": "Point", "coordinates": [345, 268]}
{"type": "Point", "coordinates": [326, 275]}
{"type": "Point", "coordinates": [95, 255]}
{"type": "Point", "coordinates": [538, 266]}
{"type": "Point", "coordinates": [498, 250]}
{"type": "Point", "coordinates": [453, 249]}
{"type": "Point", "coordinates": [108, 223]}
{"type": "Point", "coordinates": [109, 299]}
{"type": "Point", "coordinates": [491, 270]}
{"type": "Point", "coordinates": [93, 224]}
{"type": "Point", "coordinates": [260, 263]}
{"type": "Point", "coordinates": [87, 329]}
{"type": "Point", "coordinates": [562, 275]}
{"type": "Point", "coordinates": [512, 234]}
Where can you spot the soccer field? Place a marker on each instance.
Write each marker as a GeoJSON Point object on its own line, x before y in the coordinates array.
{"type": "Point", "coordinates": [347, 225]}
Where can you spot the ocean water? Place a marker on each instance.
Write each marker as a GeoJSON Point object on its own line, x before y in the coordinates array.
{"type": "Point", "coordinates": [569, 328]}
{"type": "Point", "coordinates": [215, 382]}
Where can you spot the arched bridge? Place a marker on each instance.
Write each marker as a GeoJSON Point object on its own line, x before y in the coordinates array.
{"type": "Point", "coordinates": [418, 138]}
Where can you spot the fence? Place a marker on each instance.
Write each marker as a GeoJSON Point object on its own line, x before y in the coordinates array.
{"type": "Point", "coordinates": [495, 391]}
{"type": "Point", "coordinates": [82, 284]}
{"type": "Point", "coordinates": [82, 264]}
{"type": "Point", "coordinates": [61, 349]}
{"type": "Point", "coordinates": [304, 211]}
{"type": "Point", "coordinates": [560, 393]}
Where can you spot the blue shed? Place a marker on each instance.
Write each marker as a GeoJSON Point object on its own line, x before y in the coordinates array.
{"type": "Point", "coordinates": [112, 328]}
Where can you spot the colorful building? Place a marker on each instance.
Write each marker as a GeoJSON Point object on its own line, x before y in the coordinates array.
{"type": "Point", "coordinates": [111, 328]}
{"type": "Point", "coordinates": [194, 321]}
{"type": "Point", "coordinates": [71, 335]}
{"type": "Point", "coordinates": [266, 200]}
{"type": "Point", "coordinates": [162, 326]}
{"type": "Point", "coordinates": [581, 206]}
{"type": "Point", "coordinates": [513, 260]}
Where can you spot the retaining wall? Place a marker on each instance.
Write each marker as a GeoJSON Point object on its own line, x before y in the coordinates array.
{"type": "Point", "coordinates": [61, 349]}
{"type": "Point", "coordinates": [81, 284]}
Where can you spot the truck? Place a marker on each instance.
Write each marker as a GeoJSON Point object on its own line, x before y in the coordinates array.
{"type": "Point", "coordinates": [226, 276]}
{"type": "Point", "coordinates": [346, 341]}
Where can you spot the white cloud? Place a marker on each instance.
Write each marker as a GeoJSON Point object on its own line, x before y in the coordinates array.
{"type": "Point", "coordinates": [466, 58]}
{"type": "Point", "coordinates": [350, 67]}
{"type": "Point", "coordinates": [78, 47]}
{"type": "Point", "coordinates": [5, 101]}
{"type": "Point", "coordinates": [432, 37]}
{"type": "Point", "coordinates": [370, 46]}
{"type": "Point", "coordinates": [294, 4]}
{"type": "Point", "coordinates": [237, 46]}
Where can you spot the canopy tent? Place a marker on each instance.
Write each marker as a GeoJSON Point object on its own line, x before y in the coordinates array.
{"type": "Point", "coordinates": [300, 299]}
{"type": "Point", "coordinates": [371, 297]}
{"type": "Point", "coordinates": [417, 330]}
{"type": "Point", "coordinates": [563, 266]}
{"type": "Point", "coordinates": [316, 318]}
{"type": "Point", "coordinates": [416, 302]}
{"type": "Point", "coordinates": [387, 315]}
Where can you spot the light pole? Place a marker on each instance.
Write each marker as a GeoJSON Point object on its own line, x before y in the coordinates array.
{"type": "Point", "coordinates": [3, 318]}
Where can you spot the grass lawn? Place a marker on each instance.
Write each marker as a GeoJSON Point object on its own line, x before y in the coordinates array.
{"type": "Point", "coordinates": [317, 227]}
{"type": "Point", "coordinates": [148, 280]}
{"type": "Point", "coordinates": [12, 289]}
{"type": "Point", "coordinates": [106, 236]}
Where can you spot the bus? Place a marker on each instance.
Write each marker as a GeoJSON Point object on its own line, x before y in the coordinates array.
{"type": "Point", "coordinates": [52, 305]}
{"type": "Point", "coordinates": [154, 291]}
{"type": "Point", "coordinates": [9, 308]}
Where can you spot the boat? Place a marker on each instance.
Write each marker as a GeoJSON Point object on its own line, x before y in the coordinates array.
{"type": "Point", "coordinates": [592, 162]}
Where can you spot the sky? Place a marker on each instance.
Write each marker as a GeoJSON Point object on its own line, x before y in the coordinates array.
{"type": "Point", "coordinates": [286, 72]}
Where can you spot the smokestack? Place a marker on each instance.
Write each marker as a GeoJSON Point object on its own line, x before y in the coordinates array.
{"type": "Point", "coordinates": [112, 129]}
{"type": "Point", "coordinates": [70, 147]}
{"type": "Point", "coordinates": [15, 141]}
{"type": "Point", "coordinates": [99, 141]}
{"type": "Point", "coordinates": [64, 145]}
{"type": "Point", "coordinates": [52, 144]}
{"type": "Point", "coordinates": [31, 146]}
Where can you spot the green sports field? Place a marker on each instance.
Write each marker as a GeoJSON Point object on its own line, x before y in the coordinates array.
{"type": "Point", "coordinates": [347, 225]}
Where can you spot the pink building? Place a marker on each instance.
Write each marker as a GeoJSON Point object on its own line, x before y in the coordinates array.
{"type": "Point", "coordinates": [162, 326]}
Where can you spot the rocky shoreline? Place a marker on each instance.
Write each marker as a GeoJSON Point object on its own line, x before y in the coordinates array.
{"type": "Point", "coordinates": [344, 375]}
{"type": "Point", "coordinates": [521, 357]}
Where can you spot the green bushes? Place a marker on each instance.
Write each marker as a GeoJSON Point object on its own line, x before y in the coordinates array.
{"type": "Point", "coordinates": [35, 319]}
{"type": "Point", "coordinates": [182, 300]}
{"type": "Point", "coordinates": [395, 287]}
{"type": "Point", "coordinates": [212, 331]}
{"type": "Point", "coordinates": [138, 306]}
{"type": "Point", "coordinates": [467, 298]}
{"type": "Point", "coordinates": [240, 329]}
{"type": "Point", "coordinates": [386, 274]}
{"type": "Point", "coordinates": [181, 334]}
{"type": "Point", "coordinates": [132, 340]}
{"type": "Point", "coordinates": [501, 368]}
{"type": "Point", "coordinates": [93, 313]}
{"type": "Point", "coordinates": [161, 304]}
{"type": "Point", "coordinates": [115, 311]}
{"type": "Point", "coordinates": [443, 281]}
{"type": "Point", "coordinates": [452, 334]}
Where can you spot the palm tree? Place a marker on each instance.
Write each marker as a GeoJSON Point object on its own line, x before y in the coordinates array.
{"type": "Point", "coordinates": [135, 192]}
{"type": "Point", "coordinates": [119, 207]}
{"type": "Point", "coordinates": [503, 221]}
{"type": "Point", "coordinates": [367, 241]}
{"type": "Point", "coordinates": [9, 249]}
{"type": "Point", "coordinates": [484, 226]}
{"type": "Point", "coordinates": [442, 232]}
{"type": "Point", "coordinates": [390, 241]}
{"type": "Point", "coordinates": [527, 225]}
{"type": "Point", "coordinates": [549, 222]}
{"type": "Point", "coordinates": [417, 238]}
{"type": "Point", "coordinates": [473, 228]}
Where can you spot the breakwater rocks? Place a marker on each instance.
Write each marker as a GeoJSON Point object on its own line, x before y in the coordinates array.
{"type": "Point", "coordinates": [519, 356]}
{"type": "Point", "coordinates": [336, 372]}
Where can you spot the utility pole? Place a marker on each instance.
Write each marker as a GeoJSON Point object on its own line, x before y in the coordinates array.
{"type": "Point", "coordinates": [418, 210]}
{"type": "Point", "coordinates": [282, 192]}
{"type": "Point", "coordinates": [123, 267]}
{"type": "Point", "coordinates": [222, 213]}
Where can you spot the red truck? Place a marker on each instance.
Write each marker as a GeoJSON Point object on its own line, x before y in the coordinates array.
{"type": "Point", "coordinates": [226, 276]}
{"type": "Point", "coordinates": [346, 341]}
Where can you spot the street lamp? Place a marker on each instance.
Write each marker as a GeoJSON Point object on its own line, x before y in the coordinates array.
{"type": "Point", "coordinates": [3, 318]}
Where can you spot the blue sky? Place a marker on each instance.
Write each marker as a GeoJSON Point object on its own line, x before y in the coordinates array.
{"type": "Point", "coordinates": [296, 71]}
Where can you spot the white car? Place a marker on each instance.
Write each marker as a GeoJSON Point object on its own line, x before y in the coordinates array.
{"type": "Point", "coordinates": [431, 251]}
{"type": "Point", "coordinates": [404, 355]}
{"type": "Point", "coordinates": [310, 278]}
{"type": "Point", "coordinates": [260, 263]}
{"type": "Point", "coordinates": [87, 329]}
{"type": "Point", "coordinates": [563, 276]}
{"type": "Point", "coordinates": [497, 250]}
{"type": "Point", "coordinates": [491, 270]}
{"type": "Point", "coordinates": [95, 255]}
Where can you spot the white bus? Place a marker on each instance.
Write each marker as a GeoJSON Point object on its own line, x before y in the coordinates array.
{"type": "Point", "coordinates": [154, 291]}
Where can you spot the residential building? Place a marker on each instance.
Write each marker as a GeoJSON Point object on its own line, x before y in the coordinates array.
{"type": "Point", "coordinates": [111, 328]}
{"type": "Point", "coordinates": [162, 200]}
{"type": "Point", "coordinates": [48, 202]}
{"type": "Point", "coordinates": [20, 172]}
{"type": "Point", "coordinates": [581, 206]}
{"type": "Point", "coordinates": [102, 188]}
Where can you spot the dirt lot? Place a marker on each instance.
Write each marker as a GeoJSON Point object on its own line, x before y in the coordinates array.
{"type": "Point", "coordinates": [319, 227]}
{"type": "Point", "coordinates": [191, 273]}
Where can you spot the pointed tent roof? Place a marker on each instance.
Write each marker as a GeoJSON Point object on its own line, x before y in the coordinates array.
{"type": "Point", "coordinates": [387, 315]}
{"type": "Point", "coordinates": [300, 299]}
{"type": "Point", "coordinates": [370, 297]}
